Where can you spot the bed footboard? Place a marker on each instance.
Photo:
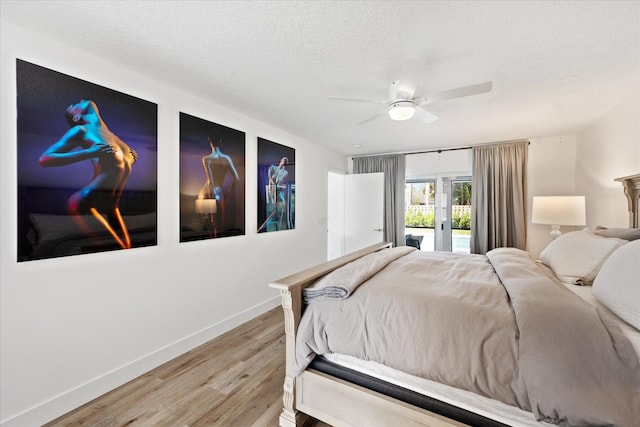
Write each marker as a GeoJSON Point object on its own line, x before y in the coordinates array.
{"type": "Point", "coordinates": [291, 293]}
{"type": "Point", "coordinates": [341, 403]}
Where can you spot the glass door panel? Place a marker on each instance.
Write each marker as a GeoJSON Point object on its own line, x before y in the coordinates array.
{"type": "Point", "coordinates": [420, 214]}
{"type": "Point", "coordinates": [460, 215]}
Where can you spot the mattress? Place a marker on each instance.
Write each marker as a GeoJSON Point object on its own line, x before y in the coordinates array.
{"type": "Point", "coordinates": [629, 331]}
{"type": "Point", "coordinates": [484, 406]}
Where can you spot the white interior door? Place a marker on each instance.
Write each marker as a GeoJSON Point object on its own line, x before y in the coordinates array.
{"type": "Point", "coordinates": [364, 210]}
{"type": "Point", "coordinates": [335, 215]}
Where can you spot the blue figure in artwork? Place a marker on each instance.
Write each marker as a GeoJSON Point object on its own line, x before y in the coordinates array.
{"type": "Point", "coordinates": [278, 217]}
{"type": "Point", "coordinates": [89, 138]}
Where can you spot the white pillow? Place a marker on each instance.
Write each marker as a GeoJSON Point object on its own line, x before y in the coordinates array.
{"type": "Point", "coordinates": [617, 285]}
{"type": "Point", "coordinates": [576, 257]}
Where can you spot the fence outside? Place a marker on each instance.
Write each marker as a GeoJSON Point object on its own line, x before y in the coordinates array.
{"type": "Point", "coordinates": [456, 210]}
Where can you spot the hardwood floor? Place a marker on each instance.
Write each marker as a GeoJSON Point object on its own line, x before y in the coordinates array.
{"type": "Point", "coordinates": [234, 380]}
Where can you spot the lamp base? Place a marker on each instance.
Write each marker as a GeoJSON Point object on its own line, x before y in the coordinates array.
{"type": "Point", "coordinates": [555, 231]}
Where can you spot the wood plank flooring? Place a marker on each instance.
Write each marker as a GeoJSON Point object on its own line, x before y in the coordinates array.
{"type": "Point", "coordinates": [234, 380]}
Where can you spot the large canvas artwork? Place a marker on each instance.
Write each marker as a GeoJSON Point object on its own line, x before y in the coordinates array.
{"type": "Point", "coordinates": [212, 180]}
{"type": "Point", "coordinates": [276, 186]}
{"type": "Point", "coordinates": [87, 166]}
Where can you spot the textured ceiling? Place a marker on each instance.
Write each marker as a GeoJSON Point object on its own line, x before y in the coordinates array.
{"type": "Point", "coordinates": [555, 66]}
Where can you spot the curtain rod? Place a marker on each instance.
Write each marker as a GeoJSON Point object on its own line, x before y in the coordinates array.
{"type": "Point", "coordinates": [440, 150]}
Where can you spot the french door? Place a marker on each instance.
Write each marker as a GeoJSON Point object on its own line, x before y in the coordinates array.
{"type": "Point", "coordinates": [439, 210]}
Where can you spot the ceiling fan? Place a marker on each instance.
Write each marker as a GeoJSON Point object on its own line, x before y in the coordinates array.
{"type": "Point", "coordinates": [403, 105]}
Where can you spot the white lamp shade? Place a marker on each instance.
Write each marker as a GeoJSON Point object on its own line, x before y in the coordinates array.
{"type": "Point", "coordinates": [206, 206]}
{"type": "Point", "coordinates": [559, 210]}
{"type": "Point", "coordinates": [402, 110]}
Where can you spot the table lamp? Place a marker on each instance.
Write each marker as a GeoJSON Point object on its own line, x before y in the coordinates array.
{"type": "Point", "coordinates": [557, 211]}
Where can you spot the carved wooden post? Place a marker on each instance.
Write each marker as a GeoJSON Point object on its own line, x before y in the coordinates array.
{"type": "Point", "coordinates": [290, 417]}
{"type": "Point", "coordinates": [631, 186]}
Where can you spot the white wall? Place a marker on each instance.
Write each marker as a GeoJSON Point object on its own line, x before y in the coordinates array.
{"type": "Point", "coordinates": [551, 172]}
{"type": "Point", "coordinates": [431, 165]}
{"type": "Point", "coordinates": [75, 327]}
{"type": "Point", "coordinates": [609, 148]}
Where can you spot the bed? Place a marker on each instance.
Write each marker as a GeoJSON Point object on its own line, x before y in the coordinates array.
{"type": "Point", "coordinates": [502, 339]}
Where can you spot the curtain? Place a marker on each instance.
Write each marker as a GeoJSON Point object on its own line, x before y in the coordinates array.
{"type": "Point", "coordinates": [499, 197]}
{"type": "Point", "coordinates": [393, 167]}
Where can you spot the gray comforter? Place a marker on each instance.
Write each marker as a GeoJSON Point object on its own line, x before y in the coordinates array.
{"type": "Point", "coordinates": [496, 325]}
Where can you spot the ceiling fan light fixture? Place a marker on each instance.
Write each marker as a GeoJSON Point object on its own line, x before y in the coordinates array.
{"type": "Point", "coordinates": [402, 110]}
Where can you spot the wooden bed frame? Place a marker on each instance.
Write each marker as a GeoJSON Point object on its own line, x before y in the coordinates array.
{"type": "Point", "coordinates": [328, 398]}
{"type": "Point", "coordinates": [339, 402]}
{"type": "Point", "coordinates": [631, 186]}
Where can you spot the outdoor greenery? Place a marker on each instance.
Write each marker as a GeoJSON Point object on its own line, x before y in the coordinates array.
{"type": "Point", "coordinates": [461, 221]}
{"type": "Point", "coordinates": [461, 193]}
{"type": "Point", "coordinates": [421, 220]}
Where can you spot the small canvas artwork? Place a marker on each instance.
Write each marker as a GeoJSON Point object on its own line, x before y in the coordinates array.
{"type": "Point", "coordinates": [87, 166]}
{"type": "Point", "coordinates": [276, 186]}
{"type": "Point", "coordinates": [212, 180]}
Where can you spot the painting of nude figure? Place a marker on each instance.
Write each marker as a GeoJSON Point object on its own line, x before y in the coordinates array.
{"type": "Point", "coordinates": [212, 180]}
{"type": "Point", "coordinates": [87, 166]}
{"type": "Point", "coordinates": [276, 186]}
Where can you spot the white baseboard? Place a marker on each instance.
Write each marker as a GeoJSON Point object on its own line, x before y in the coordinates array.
{"type": "Point", "coordinates": [84, 393]}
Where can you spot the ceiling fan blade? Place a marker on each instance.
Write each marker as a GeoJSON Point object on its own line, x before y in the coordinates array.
{"type": "Point", "coordinates": [459, 92]}
{"type": "Point", "coordinates": [369, 101]}
{"type": "Point", "coordinates": [424, 115]}
{"type": "Point", "coordinates": [380, 113]}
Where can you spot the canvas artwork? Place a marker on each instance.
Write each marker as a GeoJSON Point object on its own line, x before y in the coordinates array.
{"type": "Point", "coordinates": [212, 180]}
{"type": "Point", "coordinates": [276, 186]}
{"type": "Point", "coordinates": [87, 166]}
